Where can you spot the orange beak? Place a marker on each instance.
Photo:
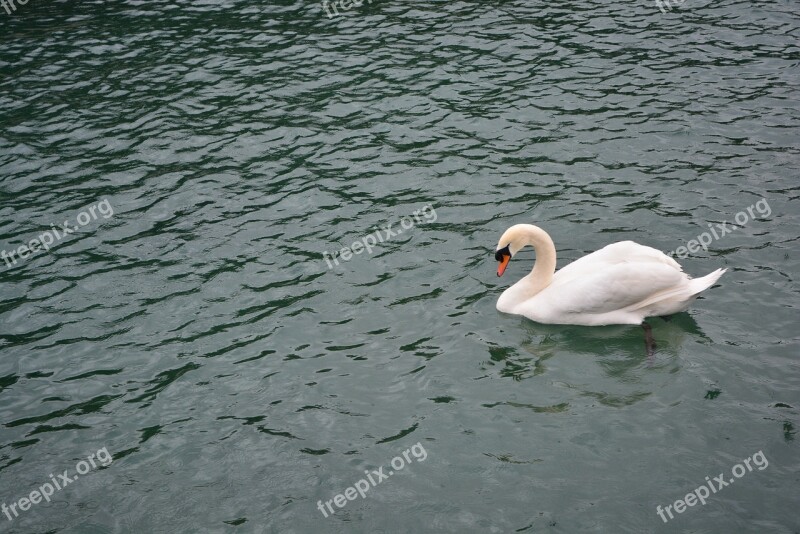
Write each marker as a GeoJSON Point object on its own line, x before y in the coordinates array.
{"type": "Point", "coordinates": [503, 264]}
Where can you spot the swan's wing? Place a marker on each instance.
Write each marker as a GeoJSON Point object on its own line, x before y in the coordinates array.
{"type": "Point", "coordinates": [612, 287]}
{"type": "Point", "coordinates": [614, 254]}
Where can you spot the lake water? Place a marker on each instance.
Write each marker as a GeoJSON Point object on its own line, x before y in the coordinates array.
{"type": "Point", "coordinates": [210, 153]}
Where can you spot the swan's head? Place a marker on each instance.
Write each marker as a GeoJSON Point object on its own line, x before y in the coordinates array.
{"type": "Point", "coordinates": [512, 241]}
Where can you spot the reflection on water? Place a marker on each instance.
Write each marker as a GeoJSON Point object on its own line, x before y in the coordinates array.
{"type": "Point", "coordinates": [618, 351]}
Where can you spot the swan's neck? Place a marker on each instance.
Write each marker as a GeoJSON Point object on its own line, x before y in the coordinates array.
{"type": "Point", "coordinates": [545, 266]}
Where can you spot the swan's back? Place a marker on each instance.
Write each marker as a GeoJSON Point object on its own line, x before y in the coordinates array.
{"type": "Point", "coordinates": [613, 254]}
{"type": "Point", "coordinates": [621, 283]}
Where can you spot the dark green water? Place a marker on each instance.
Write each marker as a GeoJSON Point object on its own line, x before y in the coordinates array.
{"type": "Point", "coordinates": [198, 335]}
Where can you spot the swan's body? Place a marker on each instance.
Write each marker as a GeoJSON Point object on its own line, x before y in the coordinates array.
{"type": "Point", "coordinates": [621, 283]}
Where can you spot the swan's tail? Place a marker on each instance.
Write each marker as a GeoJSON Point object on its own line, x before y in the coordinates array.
{"type": "Point", "coordinates": [698, 285]}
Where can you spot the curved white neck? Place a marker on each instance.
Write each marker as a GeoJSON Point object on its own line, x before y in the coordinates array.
{"type": "Point", "coordinates": [545, 266]}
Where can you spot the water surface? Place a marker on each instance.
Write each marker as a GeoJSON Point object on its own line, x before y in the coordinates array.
{"type": "Point", "coordinates": [199, 335]}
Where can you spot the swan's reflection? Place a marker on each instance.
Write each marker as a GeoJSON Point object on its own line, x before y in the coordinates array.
{"type": "Point", "coordinates": [570, 355]}
{"type": "Point", "coordinates": [668, 334]}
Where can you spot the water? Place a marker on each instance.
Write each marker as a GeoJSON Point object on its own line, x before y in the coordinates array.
{"type": "Point", "coordinates": [198, 335]}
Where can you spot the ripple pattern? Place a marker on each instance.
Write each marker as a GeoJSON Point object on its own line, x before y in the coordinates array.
{"type": "Point", "coordinates": [236, 379]}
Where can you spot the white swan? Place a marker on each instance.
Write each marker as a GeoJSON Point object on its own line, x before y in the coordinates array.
{"type": "Point", "coordinates": [621, 283]}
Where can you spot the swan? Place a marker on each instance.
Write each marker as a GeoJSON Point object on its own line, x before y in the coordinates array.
{"type": "Point", "coordinates": [622, 283]}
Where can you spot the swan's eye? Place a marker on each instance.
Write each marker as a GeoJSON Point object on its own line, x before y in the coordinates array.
{"type": "Point", "coordinates": [500, 254]}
